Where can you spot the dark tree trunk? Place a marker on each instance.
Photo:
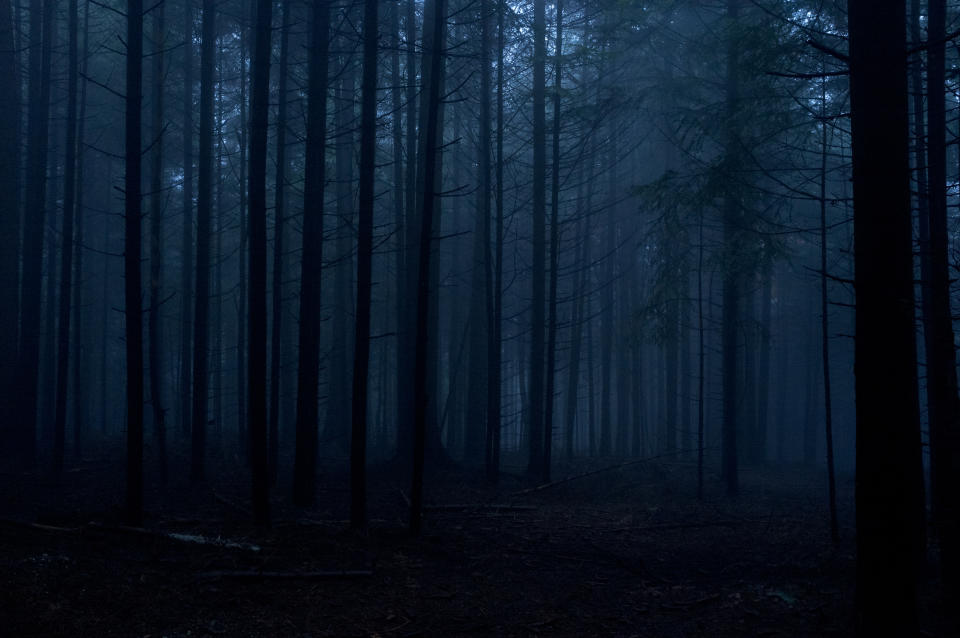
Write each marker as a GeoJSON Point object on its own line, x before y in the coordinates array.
{"type": "Point", "coordinates": [308, 372]}
{"type": "Point", "coordinates": [554, 257]}
{"type": "Point", "coordinates": [361, 344]}
{"type": "Point", "coordinates": [731, 275]}
{"type": "Point", "coordinates": [131, 250]}
{"type": "Point", "coordinates": [257, 359]}
{"type": "Point", "coordinates": [202, 283]}
{"type": "Point", "coordinates": [888, 501]}
{"type": "Point", "coordinates": [186, 270]}
{"type": "Point", "coordinates": [942, 396]}
{"type": "Point", "coordinates": [38, 128]}
{"type": "Point", "coordinates": [435, 18]}
{"type": "Point", "coordinates": [156, 244]}
{"type": "Point", "coordinates": [80, 380]}
{"type": "Point", "coordinates": [279, 211]}
{"type": "Point", "coordinates": [66, 237]}
{"type": "Point", "coordinates": [494, 352]}
{"type": "Point", "coordinates": [11, 431]}
{"type": "Point", "coordinates": [537, 399]}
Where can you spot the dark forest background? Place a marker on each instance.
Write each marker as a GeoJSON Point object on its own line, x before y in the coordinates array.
{"type": "Point", "coordinates": [299, 242]}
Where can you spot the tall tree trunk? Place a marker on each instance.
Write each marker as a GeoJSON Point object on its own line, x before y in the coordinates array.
{"type": "Point", "coordinates": [731, 276]}
{"type": "Point", "coordinates": [66, 254]}
{"type": "Point", "coordinates": [888, 501]}
{"type": "Point", "coordinates": [156, 243]}
{"type": "Point", "coordinates": [554, 257]}
{"type": "Point", "coordinates": [80, 380]}
{"type": "Point", "coordinates": [941, 357]}
{"type": "Point", "coordinates": [131, 250]}
{"type": "Point", "coordinates": [537, 399]}
{"type": "Point", "coordinates": [825, 323]}
{"type": "Point", "coordinates": [308, 371]}
{"type": "Point", "coordinates": [202, 283]}
{"type": "Point", "coordinates": [38, 127]}
{"type": "Point", "coordinates": [495, 345]}
{"type": "Point", "coordinates": [361, 344]}
{"type": "Point", "coordinates": [10, 434]}
{"type": "Point", "coordinates": [257, 359]}
{"type": "Point", "coordinates": [186, 270]}
{"type": "Point", "coordinates": [279, 211]}
{"type": "Point", "coordinates": [435, 18]}
{"type": "Point", "coordinates": [243, 436]}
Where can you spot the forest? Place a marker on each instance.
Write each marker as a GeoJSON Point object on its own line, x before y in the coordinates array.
{"type": "Point", "coordinates": [479, 318]}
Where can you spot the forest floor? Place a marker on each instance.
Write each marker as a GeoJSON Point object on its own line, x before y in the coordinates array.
{"type": "Point", "coordinates": [624, 552]}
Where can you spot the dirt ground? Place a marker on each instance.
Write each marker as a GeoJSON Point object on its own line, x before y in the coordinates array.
{"type": "Point", "coordinates": [623, 552]}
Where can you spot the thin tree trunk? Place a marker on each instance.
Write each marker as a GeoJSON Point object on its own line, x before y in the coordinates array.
{"type": "Point", "coordinates": [308, 371]}
{"type": "Point", "coordinates": [361, 344]}
{"type": "Point", "coordinates": [257, 360]}
{"type": "Point", "coordinates": [202, 284]}
{"type": "Point", "coordinates": [435, 14]}
{"type": "Point", "coordinates": [132, 301]}
{"type": "Point", "coordinates": [186, 271]}
{"type": "Point", "coordinates": [11, 438]}
{"type": "Point", "coordinates": [38, 127]}
{"type": "Point", "coordinates": [80, 380]}
{"type": "Point", "coordinates": [156, 244]}
{"type": "Point", "coordinates": [280, 186]}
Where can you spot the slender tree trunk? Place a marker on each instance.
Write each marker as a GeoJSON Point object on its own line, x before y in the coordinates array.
{"type": "Point", "coordinates": [66, 254]}
{"type": "Point", "coordinates": [38, 127]}
{"type": "Point", "coordinates": [701, 356]}
{"type": "Point", "coordinates": [825, 325]}
{"type": "Point", "coordinates": [361, 344]}
{"type": "Point", "coordinates": [80, 380]}
{"type": "Point", "coordinates": [279, 211]}
{"type": "Point", "coordinates": [435, 18]}
{"type": "Point", "coordinates": [11, 436]}
{"type": "Point", "coordinates": [132, 301]}
{"type": "Point", "coordinates": [202, 284]}
{"type": "Point", "coordinates": [537, 398]}
{"type": "Point", "coordinates": [495, 346]}
{"type": "Point", "coordinates": [243, 436]}
{"type": "Point", "coordinates": [308, 371]}
{"type": "Point", "coordinates": [186, 271]}
{"type": "Point", "coordinates": [889, 502]}
{"type": "Point", "coordinates": [731, 276]}
{"type": "Point", "coordinates": [554, 257]}
{"type": "Point", "coordinates": [257, 360]}
{"type": "Point", "coordinates": [157, 401]}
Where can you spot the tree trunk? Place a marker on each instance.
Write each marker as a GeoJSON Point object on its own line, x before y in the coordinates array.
{"type": "Point", "coordinates": [888, 501]}
{"type": "Point", "coordinates": [435, 18]}
{"type": "Point", "coordinates": [131, 245]}
{"type": "Point", "coordinates": [257, 359]}
{"type": "Point", "coordinates": [942, 396]}
{"type": "Point", "coordinates": [38, 127]}
{"type": "Point", "coordinates": [308, 372]}
{"type": "Point", "coordinates": [11, 436]}
{"type": "Point", "coordinates": [156, 244]}
{"type": "Point", "coordinates": [186, 270]}
{"type": "Point", "coordinates": [279, 211]}
{"type": "Point", "coordinates": [202, 283]}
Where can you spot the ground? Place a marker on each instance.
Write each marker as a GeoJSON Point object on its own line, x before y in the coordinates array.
{"type": "Point", "coordinates": [628, 551]}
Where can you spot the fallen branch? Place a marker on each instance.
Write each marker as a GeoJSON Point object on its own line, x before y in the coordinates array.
{"type": "Point", "coordinates": [193, 539]}
{"type": "Point", "coordinates": [252, 574]}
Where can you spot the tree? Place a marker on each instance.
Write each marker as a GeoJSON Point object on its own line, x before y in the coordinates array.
{"type": "Point", "coordinates": [131, 252]}
{"type": "Point", "coordinates": [186, 270]}
{"type": "Point", "coordinates": [435, 18]}
{"type": "Point", "coordinates": [889, 507]}
{"type": "Point", "coordinates": [38, 128]}
{"type": "Point", "coordinates": [535, 465]}
{"type": "Point", "coordinates": [9, 232]}
{"type": "Point", "coordinates": [361, 345]}
{"type": "Point", "coordinates": [201, 355]}
{"type": "Point", "coordinates": [257, 359]}
{"type": "Point", "coordinates": [308, 371]}
{"type": "Point", "coordinates": [66, 258]}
